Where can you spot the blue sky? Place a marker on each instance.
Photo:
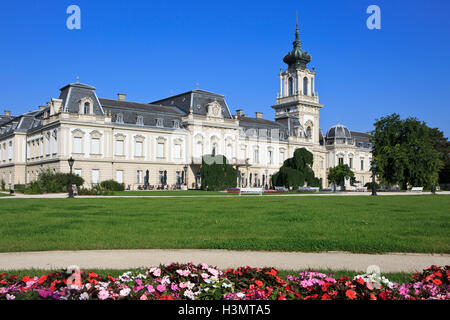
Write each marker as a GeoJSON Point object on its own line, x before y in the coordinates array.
{"type": "Point", "coordinates": [150, 49]}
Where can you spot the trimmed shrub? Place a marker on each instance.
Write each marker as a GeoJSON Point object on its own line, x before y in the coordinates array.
{"type": "Point", "coordinates": [52, 182]}
{"type": "Point", "coordinates": [216, 174]}
{"type": "Point", "coordinates": [112, 185]}
{"type": "Point", "coordinates": [296, 171]}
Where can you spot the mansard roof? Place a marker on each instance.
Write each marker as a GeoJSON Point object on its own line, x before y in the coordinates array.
{"type": "Point", "coordinates": [259, 123]}
{"type": "Point", "coordinates": [362, 139]}
{"type": "Point", "coordinates": [198, 100]}
{"type": "Point", "coordinates": [74, 92]}
{"type": "Point", "coordinates": [150, 113]}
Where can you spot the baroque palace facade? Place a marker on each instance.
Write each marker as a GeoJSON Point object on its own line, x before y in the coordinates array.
{"type": "Point", "coordinates": [164, 140]}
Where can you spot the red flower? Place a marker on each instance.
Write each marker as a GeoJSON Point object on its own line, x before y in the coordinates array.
{"type": "Point", "coordinates": [26, 279]}
{"type": "Point", "coordinates": [372, 297]}
{"type": "Point", "coordinates": [165, 298]}
{"type": "Point", "coordinates": [259, 283]}
{"type": "Point", "coordinates": [325, 297]}
{"type": "Point", "coordinates": [437, 282]}
{"type": "Point", "coordinates": [350, 294]}
{"type": "Point", "coordinates": [272, 272]}
{"type": "Point", "coordinates": [438, 274]}
{"type": "Point", "coordinates": [281, 297]}
{"type": "Point", "coordinates": [360, 280]}
{"type": "Point", "coordinates": [93, 275]}
{"type": "Point", "coordinates": [42, 279]}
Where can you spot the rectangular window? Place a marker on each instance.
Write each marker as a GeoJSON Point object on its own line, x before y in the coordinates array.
{"type": "Point", "coordinates": [160, 151]}
{"type": "Point", "coordinates": [95, 176]}
{"type": "Point", "coordinates": [77, 145]}
{"type": "Point", "coordinates": [350, 162]}
{"type": "Point", "coordinates": [177, 151]}
{"type": "Point", "coordinates": [95, 146]}
{"type": "Point", "coordinates": [256, 156]}
{"type": "Point", "coordinates": [282, 157]}
{"type": "Point", "coordinates": [77, 172]}
{"type": "Point", "coordinates": [119, 176]}
{"type": "Point", "coordinates": [270, 156]}
{"type": "Point", "coordinates": [119, 147]}
{"type": "Point", "coordinates": [341, 161]}
{"type": "Point", "coordinates": [10, 151]}
{"type": "Point", "coordinates": [41, 145]}
{"type": "Point", "coordinates": [362, 164]}
{"type": "Point", "coordinates": [138, 149]}
{"type": "Point", "coordinates": [139, 176]}
{"type": "Point", "coordinates": [243, 154]}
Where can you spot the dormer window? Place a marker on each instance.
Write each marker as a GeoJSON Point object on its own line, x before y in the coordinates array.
{"type": "Point", "coordinates": [119, 118]}
{"type": "Point", "coordinates": [140, 121]}
{"type": "Point", "coordinates": [87, 108]}
{"type": "Point", "coordinates": [160, 122]}
{"type": "Point", "coordinates": [176, 124]}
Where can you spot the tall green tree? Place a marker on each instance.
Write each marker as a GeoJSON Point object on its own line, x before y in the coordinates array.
{"type": "Point", "coordinates": [296, 171]}
{"type": "Point", "coordinates": [404, 152]}
{"type": "Point", "coordinates": [338, 174]}
{"type": "Point", "coordinates": [442, 145]}
{"type": "Point", "coordinates": [216, 174]}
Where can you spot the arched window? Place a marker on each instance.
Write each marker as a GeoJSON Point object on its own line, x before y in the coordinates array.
{"type": "Point", "coordinates": [291, 87]}
{"type": "Point", "coordinates": [87, 108]}
{"type": "Point", "coordinates": [308, 132]}
{"type": "Point", "coordinates": [305, 86]}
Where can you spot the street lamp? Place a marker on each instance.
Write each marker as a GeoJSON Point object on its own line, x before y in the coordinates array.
{"type": "Point", "coordinates": [374, 189]}
{"type": "Point", "coordinates": [185, 174]}
{"type": "Point", "coordinates": [71, 161]}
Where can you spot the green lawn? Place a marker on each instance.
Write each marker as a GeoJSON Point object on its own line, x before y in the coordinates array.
{"type": "Point", "coordinates": [4, 194]}
{"type": "Point", "coordinates": [395, 277]}
{"type": "Point", "coordinates": [345, 223]}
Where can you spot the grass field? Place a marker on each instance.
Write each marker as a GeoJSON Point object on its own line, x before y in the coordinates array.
{"type": "Point", "coordinates": [355, 224]}
{"type": "Point", "coordinates": [395, 277]}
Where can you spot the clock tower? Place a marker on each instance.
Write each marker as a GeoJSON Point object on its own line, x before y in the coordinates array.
{"type": "Point", "coordinates": [297, 105]}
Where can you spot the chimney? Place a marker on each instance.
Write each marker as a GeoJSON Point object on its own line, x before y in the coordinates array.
{"type": "Point", "coordinates": [121, 96]}
{"type": "Point", "coordinates": [258, 115]}
{"type": "Point", "coordinates": [239, 113]}
{"type": "Point", "coordinates": [7, 113]}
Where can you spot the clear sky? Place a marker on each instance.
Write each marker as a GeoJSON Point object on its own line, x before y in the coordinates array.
{"type": "Point", "coordinates": [150, 49]}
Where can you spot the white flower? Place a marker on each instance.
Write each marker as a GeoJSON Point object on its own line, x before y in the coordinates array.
{"type": "Point", "coordinates": [240, 295]}
{"type": "Point", "coordinates": [189, 294]}
{"type": "Point", "coordinates": [84, 296]}
{"type": "Point", "coordinates": [124, 292]}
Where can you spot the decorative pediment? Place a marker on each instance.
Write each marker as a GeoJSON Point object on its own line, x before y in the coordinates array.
{"type": "Point", "coordinates": [214, 110]}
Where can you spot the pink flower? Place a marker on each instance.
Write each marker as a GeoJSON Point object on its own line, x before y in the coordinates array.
{"type": "Point", "coordinates": [161, 288]}
{"type": "Point", "coordinates": [157, 272]}
{"type": "Point", "coordinates": [183, 273]}
{"type": "Point", "coordinates": [150, 288]}
{"type": "Point", "coordinates": [10, 297]}
{"type": "Point", "coordinates": [174, 287]}
{"type": "Point", "coordinates": [204, 266]}
{"type": "Point", "coordinates": [103, 295]}
{"type": "Point", "coordinates": [139, 282]}
{"type": "Point", "coordinates": [143, 297]}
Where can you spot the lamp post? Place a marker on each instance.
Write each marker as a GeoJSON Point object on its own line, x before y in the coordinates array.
{"type": "Point", "coordinates": [374, 189]}
{"type": "Point", "coordinates": [185, 175]}
{"type": "Point", "coordinates": [71, 161]}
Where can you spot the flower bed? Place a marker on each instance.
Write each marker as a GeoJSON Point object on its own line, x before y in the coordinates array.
{"type": "Point", "coordinates": [202, 282]}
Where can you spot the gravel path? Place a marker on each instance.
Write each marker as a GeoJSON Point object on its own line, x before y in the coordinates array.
{"type": "Point", "coordinates": [337, 194]}
{"type": "Point", "coordinates": [123, 259]}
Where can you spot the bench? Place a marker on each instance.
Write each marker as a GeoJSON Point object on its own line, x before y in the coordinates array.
{"type": "Point", "coordinates": [416, 189]}
{"type": "Point", "coordinates": [361, 189]}
{"type": "Point", "coordinates": [308, 189]}
{"type": "Point", "coordinates": [251, 191]}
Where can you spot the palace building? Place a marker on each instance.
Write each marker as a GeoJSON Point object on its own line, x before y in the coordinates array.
{"type": "Point", "coordinates": [162, 142]}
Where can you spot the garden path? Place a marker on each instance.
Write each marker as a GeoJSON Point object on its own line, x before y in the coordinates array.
{"type": "Point", "coordinates": [124, 259]}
